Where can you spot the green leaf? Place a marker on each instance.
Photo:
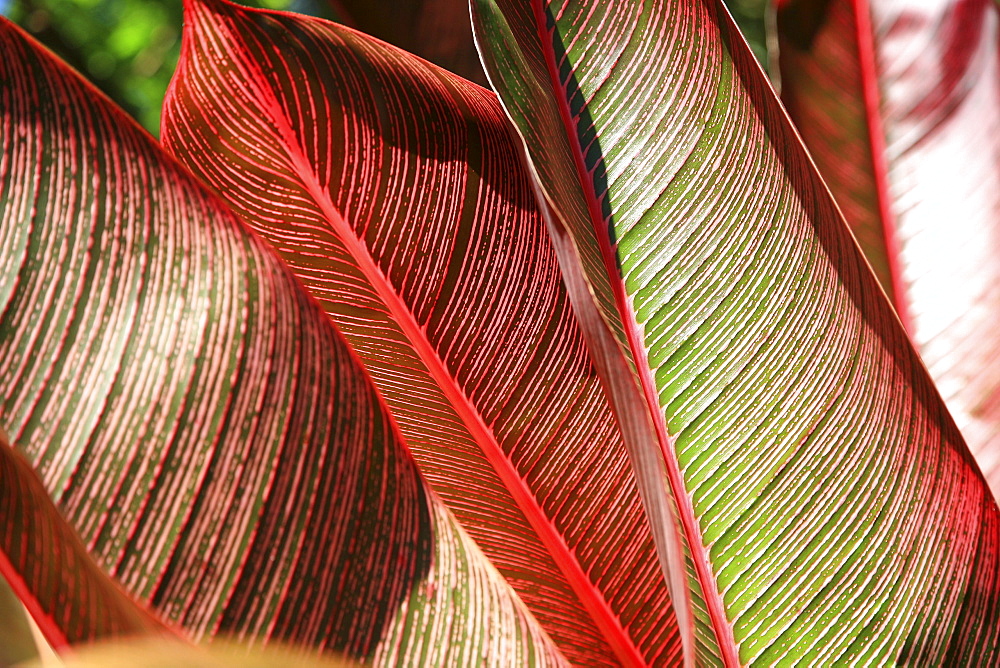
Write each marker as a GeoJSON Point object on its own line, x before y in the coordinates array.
{"type": "Point", "coordinates": [831, 510]}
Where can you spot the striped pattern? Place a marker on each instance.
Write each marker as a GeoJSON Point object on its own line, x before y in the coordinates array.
{"type": "Point", "coordinates": [395, 192]}
{"type": "Point", "coordinates": [934, 76]}
{"type": "Point", "coordinates": [832, 512]}
{"type": "Point", "coordinates": [67, 593]}
{"type": "Point", "coordinates": [823, 90]}
{"type": "Point", "coordinates": [201, 422]}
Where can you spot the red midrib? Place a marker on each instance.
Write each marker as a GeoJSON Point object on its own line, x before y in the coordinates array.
{"type": "Point", "coordinates": [713, 600]}
{"type": "Point", "coordinates": [592, 599]}
{"type": "Point", "coordinates": [46, 624]}
{"type": "Point", "coordinates": [880, 168]}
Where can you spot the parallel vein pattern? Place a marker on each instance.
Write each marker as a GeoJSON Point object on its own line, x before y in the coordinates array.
{"type": "Point", "coordinates": [934, 73]}
{"type": "Point", "coordinates": [395, 192]}
{"type": "Point", "coordinates": [205, 427]}
{"type": "Point", "coordinates": [839, 511]}
{"type": "Point", "coordinates": [838, 116]}
{"type": "Point", "coordinates": [30, 525]}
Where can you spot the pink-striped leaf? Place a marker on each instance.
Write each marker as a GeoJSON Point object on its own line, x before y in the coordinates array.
{"type": "Point", "coordinates": [50, 570]}
{"type": "Point", "coordinates": [899, 104]}
{"type": "Point", "coordinates": [200, 421]}
{"type": "Point", "coordinates": [396, 192]}
{"type": "Point", "coordinates": [830, 508]}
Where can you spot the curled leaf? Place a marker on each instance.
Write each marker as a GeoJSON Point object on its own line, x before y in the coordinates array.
{"type": "Point", "coordinates": [201, 422]}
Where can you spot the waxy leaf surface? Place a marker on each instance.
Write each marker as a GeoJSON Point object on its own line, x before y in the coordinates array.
{"type": "Point", "coordinates": [831, 510]}
{"type": "Point", "coordinates": [899, 104]}
{"type": "Point", "coordinates": [396, 192]}
{"type": "Point", "coordinates": [201, 422]}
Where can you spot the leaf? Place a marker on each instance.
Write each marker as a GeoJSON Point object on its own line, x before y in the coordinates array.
{"type": "Point", "coordinates": [848, 131]}
{"type": "Point", "coordinates": [395, 192]}
{"type": "Point", "coordinates": [438, 30]}
{"type": "Point", "coordinates": [50, 570]}
{"type": "Point", "coordinates": [900, 107]}
{"type": "Point", "coordinates": [203, 425]}
{"type": "Point", "coordinates": [832, 511]}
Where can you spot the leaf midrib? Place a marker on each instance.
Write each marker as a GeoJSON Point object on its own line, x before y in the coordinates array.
{"type": "Point", "coordinates": [590, 596]}
{"type": "Point", "coordinates": [865, 40]}
{"type": "Point", "coordinates": [721, 627]}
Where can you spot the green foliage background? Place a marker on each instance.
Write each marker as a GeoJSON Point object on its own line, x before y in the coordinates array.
{"type": "Point", "coordinates": [129, 48]}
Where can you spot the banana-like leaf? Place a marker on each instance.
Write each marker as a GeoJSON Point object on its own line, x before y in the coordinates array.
{"type": "Point", "coordinates": [201, 422]}
{"type": "Point", "coordinates": [395, 191]}
{"type": "Point", "coordinates": [899, 104]}
{"type": "Point", "coordinates": [831, 510]}
{"type": "Point", "coordinates": [50, 570]}
{"type": "Point", "coordinates": [438, 30]}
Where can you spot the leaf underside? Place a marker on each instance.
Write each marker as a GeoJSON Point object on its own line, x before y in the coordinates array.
{"type": "Point", "coordinates": [831, 509]}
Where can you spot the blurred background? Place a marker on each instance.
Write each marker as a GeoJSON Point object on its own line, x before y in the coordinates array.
{"type": "Point", "coordinates": [129, 48]}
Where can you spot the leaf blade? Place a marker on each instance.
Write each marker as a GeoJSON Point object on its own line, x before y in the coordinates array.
{"type": "Point", "coordinates": [928, 75]}
{"type": "Point", "coordinates": [515, 395]}
{"type": "Point", "coordinates": [50, 570]}
{"type": "Point", "coordinates": [438, 30]}
{"type": "Point", "coordinates": [772, 351]}
{"type": "Point", "coordinates": [210, 435]}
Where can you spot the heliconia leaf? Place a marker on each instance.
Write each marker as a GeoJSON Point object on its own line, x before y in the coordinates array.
{"type": "Point", "coordinates": [201, 422]}
{"type": "Point", "coordinates": [832, 511]}
{"type": "Point", "coordinates": [899, 105]}
{"type": "Point", "coordinates": [396, 192]}
{"type": "Point", "coordinates": [49, 569]}
{"type": "Point", "coordinates": [438, 30]}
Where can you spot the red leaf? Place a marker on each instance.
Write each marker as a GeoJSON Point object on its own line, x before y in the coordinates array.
{"type": "Point", "coordinates": [396, 193]}
{"type": "Point", "coordinates": [830, 507]}
{"type": "Point", "coordinates": [202, 423]}
{"type": "Point", "coordinates": [49, 569]}
{"type": "Point", "coordinates": [438, 30]}
{"type": "Point", "coordinates": [899, 104]}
